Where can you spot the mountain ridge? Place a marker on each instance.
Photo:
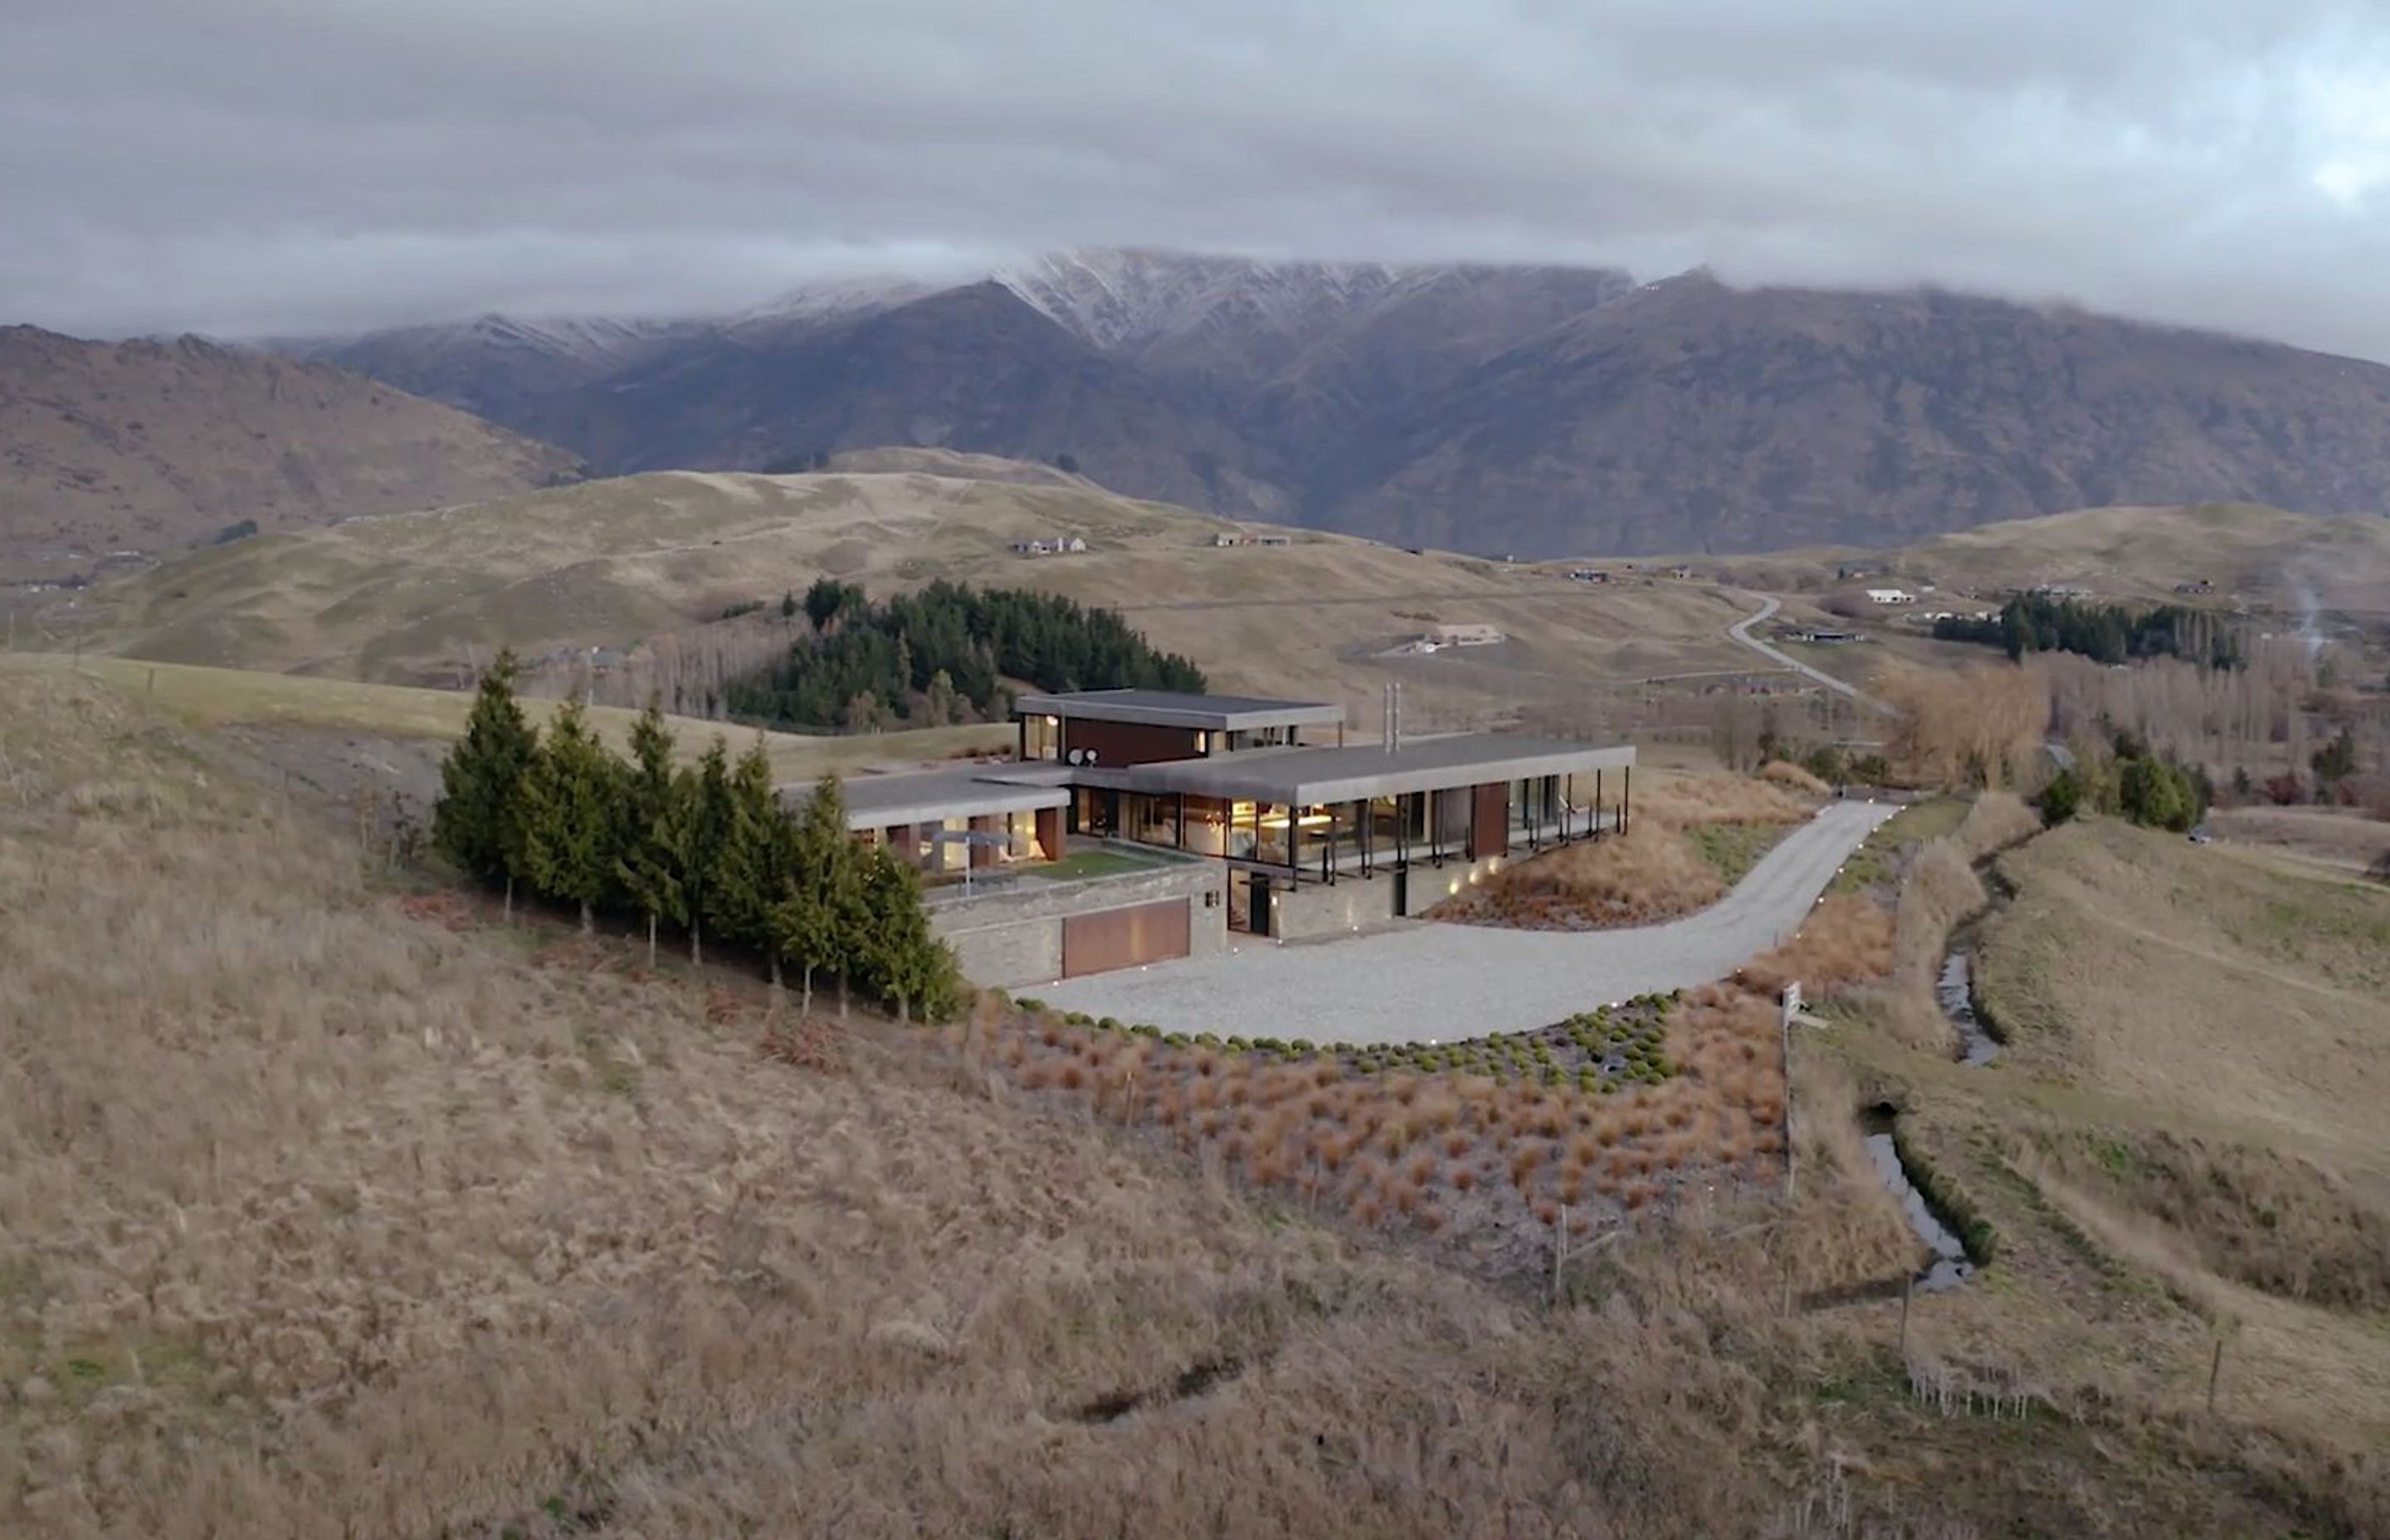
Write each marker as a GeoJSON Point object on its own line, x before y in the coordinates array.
{"type": "Point", "coordinates": [108, 449]}
{"type": "Point", "coordinates": [1502, 409]}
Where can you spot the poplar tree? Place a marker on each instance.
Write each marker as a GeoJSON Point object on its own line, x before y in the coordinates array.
{"type": "Point", "coordinates": [477, 824]}
{"type": "Point", "coordinates": [573, 815]}
{"type": "Point", "coordinates": [648, 867]}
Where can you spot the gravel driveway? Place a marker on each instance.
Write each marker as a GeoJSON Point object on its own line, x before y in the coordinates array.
{"type": "Point", "coordinates": [1427, 981]}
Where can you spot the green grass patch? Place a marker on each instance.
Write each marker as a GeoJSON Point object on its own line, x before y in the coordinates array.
{"type": "Point", "coordinates": [1734, 849]}
{"type": "Point", "coordinates": [1876, 863]}
{"type": "Point", "coordinates": [1081, 864]}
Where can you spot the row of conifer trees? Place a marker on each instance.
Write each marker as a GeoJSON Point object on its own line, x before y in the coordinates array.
{"type": "Point", "coordinates": [707, 848]}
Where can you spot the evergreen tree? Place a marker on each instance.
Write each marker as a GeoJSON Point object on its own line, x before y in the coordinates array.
{"type": "Point", "coordinates": [698, 834]}
{"type": "Point", "coordinates": [572, 809]}
{"type": "Point", "coordinates": [648, 867]}
{"type": "Point", "coordinates": [758, 857]}
{"type": "Point", "coordinates": [806, 922]}
{"type": "Point", "coordinates": [476, 824]}
{"type": "Point", "coordinates": [902, 961]}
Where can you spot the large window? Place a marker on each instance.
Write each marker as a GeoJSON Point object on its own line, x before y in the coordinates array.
{"type": "Point", "coordinates": [1041, 738]}
{"type": "Point", "coordinates": [1149, 819]}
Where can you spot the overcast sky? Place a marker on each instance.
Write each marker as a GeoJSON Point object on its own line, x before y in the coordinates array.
{"type": "Point", "coordinates": [245, 166]}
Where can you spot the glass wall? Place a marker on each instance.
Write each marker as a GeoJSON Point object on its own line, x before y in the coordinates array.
{"type": "Point", "coordinates": [1149, 819]}
{"type": "Point", "coordinates": [1207, 826]}
{"type": "Point", "coordinates": [1041, 738]}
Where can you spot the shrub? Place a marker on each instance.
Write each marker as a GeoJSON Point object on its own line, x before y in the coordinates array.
{"type": "Point", "coordinates": [2060, 799]}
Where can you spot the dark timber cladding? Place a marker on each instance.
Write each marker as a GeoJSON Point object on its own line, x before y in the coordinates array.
{"type": "Point", "coordinates": [1124, 938]}
{"type": "Point", "coordinates": [1489, 821]}
{"type": "Point", "coordinates": [1127, 742]}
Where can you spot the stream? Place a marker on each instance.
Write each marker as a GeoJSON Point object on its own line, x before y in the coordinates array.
{"type": "Point", "coordinates": [1950, 1267]}
{"type": "Point", "coordinates": [1954, 989]}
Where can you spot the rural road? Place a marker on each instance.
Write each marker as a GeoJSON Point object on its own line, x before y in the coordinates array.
{"type": "Point", "coordinates": [1740, 632]}
{"type": "Point", "coordinates": [1424, 981]}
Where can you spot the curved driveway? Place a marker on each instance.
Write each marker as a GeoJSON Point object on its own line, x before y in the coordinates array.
{"type": "Point", "coordinates": [1423, 981]}
{"type": "Point", "coordinates": [1740, 632]}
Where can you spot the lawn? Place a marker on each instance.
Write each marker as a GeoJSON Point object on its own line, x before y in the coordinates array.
{"type": "Point", "coordinates": [1081, 864]}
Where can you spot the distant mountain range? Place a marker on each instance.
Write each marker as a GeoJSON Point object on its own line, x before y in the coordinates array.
{"type": "Point", "coordinates": [1530, 410]}
{"type": "Point", "coordinates": [111, 447]}
{"type": "Point", "coordinates": [1533, 410]}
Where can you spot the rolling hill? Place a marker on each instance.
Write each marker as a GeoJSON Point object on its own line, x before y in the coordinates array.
{"type": "Point", "coordinates": [418, 598]}
{"type": "Point", "coordinates": [1539, 411]}
{"type": "Point", "coordinates": [149, 446]}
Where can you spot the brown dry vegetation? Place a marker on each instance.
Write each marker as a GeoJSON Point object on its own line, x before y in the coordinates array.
{"type": "Point", "coordinates": [328, 1207]}
{"type": "Point", "coordinates": [1653, 872]}
{"type": "Point", "coordinates": [1981, 725]}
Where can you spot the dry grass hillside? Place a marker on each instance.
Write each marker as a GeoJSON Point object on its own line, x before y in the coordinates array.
{"type": "Point", "coordinates": [2261, 556]}
{"type": "Point", "coordinates": [412, 598]}
{"type": "Point", "coordinates": [328, 1205]}
{"type": "Point", "coordinates": [2174, 1163]}
{"type": "Point", "coordinates": [149, 447]}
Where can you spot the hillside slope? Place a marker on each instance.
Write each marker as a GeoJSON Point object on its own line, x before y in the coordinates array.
{"type": "Point", "coordinates": [1693, 416]}
{"type": "Point", "coordinates": [148, 447]}
{"type": "Point", "coordinates": [416, 598]}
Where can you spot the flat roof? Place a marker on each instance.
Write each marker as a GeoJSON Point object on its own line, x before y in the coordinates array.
{"type": "Point", "coordinates": [929, 796]}
{"type": "Point", "coordinates": [1302, 777]}
{"type": "Point", "coordinates": [1180, 709]}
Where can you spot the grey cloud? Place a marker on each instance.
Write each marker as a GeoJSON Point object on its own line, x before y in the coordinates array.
{"type": "Point", "coordinates": [281, 165]}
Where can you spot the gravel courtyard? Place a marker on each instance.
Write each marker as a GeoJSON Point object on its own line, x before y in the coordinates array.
{"type": "Point", "coordinates": [1423, 981]}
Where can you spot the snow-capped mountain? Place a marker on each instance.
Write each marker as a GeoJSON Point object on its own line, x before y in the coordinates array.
{"type": "Point", "coordinates": [1124, 299]}
{"type": "Point", "coordinates": [827, 303]}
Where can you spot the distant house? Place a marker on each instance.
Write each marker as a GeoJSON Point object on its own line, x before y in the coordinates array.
{"type": "Point", "coordinates": [2197, 585]}
{"type": "Point", "coordinates": [2060, 591]}
{"type": "Point", "coordinates": [1467, 633]}
{"type": "Point", "coordinates": [1061, 545]}
{"type": "Point", "coordinates": [1588, 575]}
{"type": "Point", "coordinates": [1273, 539]}
{"type": "Point", "coordinates": [1226, 538]}
{"type": "Point", "coordinates": [1681, 571]}
{"type": "Point", "coordinates": [1890, 595]}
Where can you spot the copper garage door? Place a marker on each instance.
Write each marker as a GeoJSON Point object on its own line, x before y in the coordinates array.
{"type": "Point", "coordinates": [1123, 938]}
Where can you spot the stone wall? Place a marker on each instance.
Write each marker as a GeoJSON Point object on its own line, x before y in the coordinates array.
{"type": "Point", "coordinates": [1353, 902]}
{"type": "Point", "coordinates": [1013, 936]}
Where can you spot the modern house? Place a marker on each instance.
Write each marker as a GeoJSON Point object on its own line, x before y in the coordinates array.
{"type": "Point", "coordinates": [1462, 634]}
{"type": "Point", "coordinates": [1245, 816]}
{"type": "Point", "coordinates": [1890, 595]}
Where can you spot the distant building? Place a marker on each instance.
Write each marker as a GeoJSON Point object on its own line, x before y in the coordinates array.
{"type": "Point", "coordinates": [1273, 539]}
{"type": "Point", "coordinates": [2060, 591]}
{"type": "Point", "coordinates": [1890, 595]}
{"type": "Point", "coordinates": [1589, 575]}
{"type": "Point", "coordinates": [1061, 545]}
{"type": "Point", "coordinates": [1467, 633]}
{"type": "Point", "coordinates": [1681, 571]}
{"type": "Point", "coordinates": [1226, 538]}
{"type": "Point", "coordinates": [2196, 585]}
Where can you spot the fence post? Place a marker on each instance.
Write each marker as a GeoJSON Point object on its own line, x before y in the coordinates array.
{"type": "Point", "coordinates": [1791, 1003]}
{"type": "Point", "coordinates": [1907, 1292]}
{"type": "Point", "coordinates": [2215, 1372]}
{"type": "Point", "coordinates": [1560, 1252]}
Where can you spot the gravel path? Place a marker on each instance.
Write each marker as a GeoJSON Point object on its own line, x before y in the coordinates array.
{"type": "Point", "coordinates": [1426, 982]}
